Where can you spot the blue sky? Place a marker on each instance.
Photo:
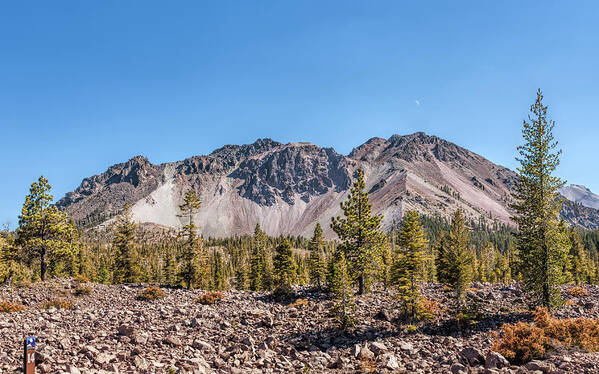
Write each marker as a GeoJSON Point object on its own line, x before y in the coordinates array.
{"type": "Point", "coordinates": [86, 84]}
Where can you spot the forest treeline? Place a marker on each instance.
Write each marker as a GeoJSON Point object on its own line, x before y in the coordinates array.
{"type": "Point", "coordinates": [541, 254]}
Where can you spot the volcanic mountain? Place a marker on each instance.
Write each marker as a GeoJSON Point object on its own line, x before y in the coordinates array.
{"type": "Point", "coordinates": [287, 188]}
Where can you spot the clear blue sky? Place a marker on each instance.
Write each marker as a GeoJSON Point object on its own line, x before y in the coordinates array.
{"type": "Point", "coordinates": [86, 84]}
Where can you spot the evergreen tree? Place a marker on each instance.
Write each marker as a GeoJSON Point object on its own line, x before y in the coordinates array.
{"type": "Point", "coordinates": [317, 265]}
{"type": "Point", "coordinates": [241, 277]}
{"type": "Point", "coordinates": [284, 267]}
{"type": "Point", "coordinates": [454, 261]}
{"type": "Point", "coordinates": [44, 232]}
{"type": "Point", "coordinates": [360, 233]}
{"type": "Point", "coordinates": [126, 263]}
{"type": "Point", "coordinates": [412, 244]}
{"type": "Point", "coordinates": [579, 263]}
{"type": "Point", "coordinates": [541, 243]}
{"type": "Point", "coordinates": [192, 271]}
{"type": "Point", "coordinates": [386, 265]}
{"type": "Point", "coordinates": [219, 281]}
{"type": "Point", "coordinates": [169, 268]}
{"type": "Point", "coordinates": [341, 290]}
{"type": "Point", "coordinates": [258, 260]}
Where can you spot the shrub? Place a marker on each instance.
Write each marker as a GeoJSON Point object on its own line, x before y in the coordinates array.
{"type": "Point", "coordinates": [209, 298]}
{"type": "Point", "coordinates": [299, 303]}
{"type": "Point", "coordinates": [81, 278]}
{"type": "Point", "coordinates": [283, 292]}
{"type": "Point", "coordinates": [151, 293]}
{"type": "Point", "coordinates": [83, 290]}
{"type": "Point", "coordinates": [8, 307]}
{"type": "Point", "coordinates": [523, 342]}
{"type": "Point", "coordinates": [57, 304]}
{"type": "Point", "coordinates": [427, 309]}
{"type": "Point", "coordinates": [577, 291]}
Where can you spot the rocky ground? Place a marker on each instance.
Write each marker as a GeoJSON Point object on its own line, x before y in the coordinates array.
{"type": "Point", "coordinates": [246, 332]}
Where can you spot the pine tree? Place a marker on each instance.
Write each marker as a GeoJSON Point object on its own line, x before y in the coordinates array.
{"type": "Point", "coordinates": [192, 271]}
{"type": "Point", "coordinates": [386, 265]}
{"type": "Point", "coordinates": [317, 264]}
{"type": "Point", "coordinates": [578, 259]}
{"type": "Point", "coordinates": [284, 268]}
{"type": "Point", "coordinates": [258, 260]}
{"type": "Point", "coordinates": [126, 263]}
{"type": "Point", "coordinates": [341, 290]}
{"type": "Point", "coordinates": [45, 233]}
{"type": "Point", "coordinates": [454, 261]}
{"type": "Point", "coordinates": [412, 244]}
{"type": "Point", "coordinates": [219, 281]}
{"type": "Point", "coordinates": [360, 234]}
{"type": "Point", "coordinates": [541, 243]}
{"type": "Point", "coordinates": [169, 268]}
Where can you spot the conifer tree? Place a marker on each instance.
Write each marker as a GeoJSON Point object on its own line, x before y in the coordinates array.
{"type": "Point", "coordinates": [454, 261]}
{"type": "Point", "coordinates": [386, 265]}
{"type": "Point", "coordinates": [284, 267]}
{"type": "Point", "coordinates": [317, 264]}
{"type": "Point", "coordinates": [578, 259]}
{"type": "Point", "coordinates": [411, 248]}
{"type": "Point", "coordinates": [219, 281]}
{"type": "Point", "coordinates": [541, 243]}
{"type": "Point", "coordinates": [502, 269]}
{"type": "Point", "coordinates": [241, 276]}
{"type": "Point", "coordinates": [360, 234]}
{"type": "Point", "coordinates": [192, 270]}
{"type": "Point", "coordinates": [126, 262]}
{"type": "Point", "coordinates": [258, 260]}
{"type": "Point", "coordinates": [340, 287]}
{"type": "Point", "coordinates": [45, 233]}
{"type": "Point", "coordinates": [169, 268]}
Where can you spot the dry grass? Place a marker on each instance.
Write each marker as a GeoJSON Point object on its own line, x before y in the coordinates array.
{"type": "Point", "coordinates": [83, 290]}
{"type": "Point", "coordinates": [151, 293]}
{"type": "Point", "coordinates": [57, 304]}
{"type": "Point", "coordinates": [210, 298]}
{"type": "Point", "coordinates": [577, 291]}
{"type": "Point", "coordinates": [299, 303]}
{"type": "Point", "coordinates": [8, 307]}
{"type": "Point", "coordinates": [80, 278]}
{"type": "Point", "coordinates": [523, 342]}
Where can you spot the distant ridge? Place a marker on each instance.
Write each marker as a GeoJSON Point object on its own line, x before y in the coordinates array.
{"type": "Point", "coordinates": [287, 188]}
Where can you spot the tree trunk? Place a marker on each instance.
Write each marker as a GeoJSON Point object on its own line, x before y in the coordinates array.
{"type": "Point", "coordinates": [43, 265]}
{"type": "Point", "coordinates": [361, 284]}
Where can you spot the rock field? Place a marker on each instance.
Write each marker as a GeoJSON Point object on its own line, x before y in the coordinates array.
{"type": "Point", "coordinates": [110, 331]}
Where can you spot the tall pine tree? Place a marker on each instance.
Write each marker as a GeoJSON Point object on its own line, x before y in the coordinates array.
{"type": "Point", "coordinates": [126, 267]}
{"type": "Point", "coordinates": [193, 268]}
{"type": "Point", "coordinates": [454, 259]}
{"type": "Point", "coordinates": [360, 234]}
{"type": "Point", "coordinates": [541, 242]}
{"type": "Point", "coordinates": [45, 233]}
{"type": "Point", "coordinates": [317, 264]}
{"type": "Point", "coordinates": [408, 270]}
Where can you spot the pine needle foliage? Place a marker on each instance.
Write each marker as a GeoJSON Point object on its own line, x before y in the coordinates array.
{"type": "Point", "coordinates": [360, 234]}
{"type": "Point", "coordinates": [541, 242]}
{"type": "Point", "coordinates": [193, 268]}
{"type": "Point", "coordinates": [126, 267]}
{"type": "Point", "coordinates": [45, 233]}
{"type": "Point", "coordinates": [317, 263]}
{"type": "Point", "coordinates": [340, 287]}
{"type": "Point", "coordinates": [412, 244]}
{"type": "Point", "coordinates": [454, 259]}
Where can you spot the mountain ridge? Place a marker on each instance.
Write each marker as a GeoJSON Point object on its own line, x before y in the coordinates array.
{"type": "Point", "coordinates": [287, 188]}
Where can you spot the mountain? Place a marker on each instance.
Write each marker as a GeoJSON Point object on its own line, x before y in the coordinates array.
{"type": "Point", "coordinates": [581, 195]}
{"type": "Point", "coordinates": [287, 188]}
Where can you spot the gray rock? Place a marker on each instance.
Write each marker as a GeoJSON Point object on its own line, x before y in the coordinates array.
{"type": "Point", "coordinates": [495, 360]}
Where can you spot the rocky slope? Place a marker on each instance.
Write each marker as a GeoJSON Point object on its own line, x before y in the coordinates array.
{"type": "Point", "coordinates": [110, 331]}
{"type": "Point", "coordinates": [288, 187]}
